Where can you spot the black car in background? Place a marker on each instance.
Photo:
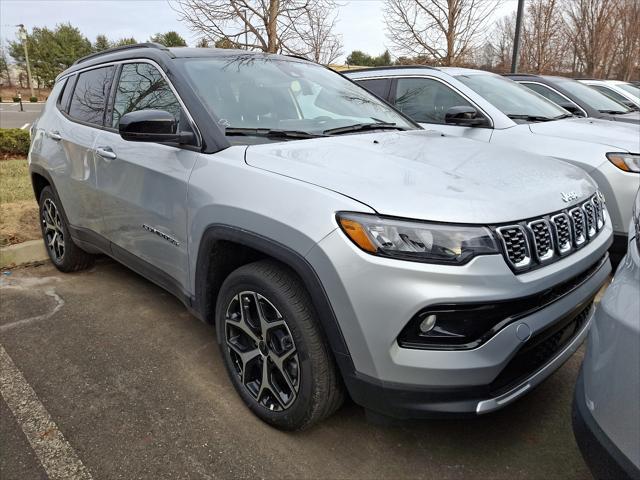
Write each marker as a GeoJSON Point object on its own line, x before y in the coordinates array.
{"type": "Point", "coordinates": [576, 97]}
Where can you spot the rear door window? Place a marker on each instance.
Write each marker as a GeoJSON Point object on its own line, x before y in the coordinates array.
{"type": "Point", "coordinates": [380, 87]}
{"type": "Point", "coordinates": [90, 95]}
{"type": "Point", "coordinates": [142, 87]}
{"type": "Point", "coordinates": [426, 100]}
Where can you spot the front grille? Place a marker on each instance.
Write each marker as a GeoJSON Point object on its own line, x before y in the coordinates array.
{"type": "Point", "coordinates": [528, 245]}
{"type": "Point", "coordinates": [539, 350]}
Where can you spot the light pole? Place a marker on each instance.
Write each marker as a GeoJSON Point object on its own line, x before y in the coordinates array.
{"type": "Point", "coordinates": [516, 40]}
{"type": "Point", "coordinates": [22, 34]}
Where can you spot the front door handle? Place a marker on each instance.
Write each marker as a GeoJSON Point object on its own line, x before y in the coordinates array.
{"type": "Point", "coordinates": [106, 152]}
{"type": "Point", "coordinates": [54, 135]}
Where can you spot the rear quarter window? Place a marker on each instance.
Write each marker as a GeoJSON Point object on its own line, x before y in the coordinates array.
{"type": "Point", "coordinates": [90, 95]}
{"type": "Point", "coordinates": [65, 95]}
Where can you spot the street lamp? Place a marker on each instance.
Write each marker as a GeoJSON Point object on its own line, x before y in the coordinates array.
{"type": "Point", "coordinates": [22, 35]}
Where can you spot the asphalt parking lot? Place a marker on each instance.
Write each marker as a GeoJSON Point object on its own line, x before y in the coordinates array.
{"type": "Point", "coordinates": [107, 376]}
{"type": "Point", "coordinates": [12, 117]}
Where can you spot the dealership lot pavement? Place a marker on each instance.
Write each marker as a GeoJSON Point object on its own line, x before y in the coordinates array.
{"type": "Point", "coordinates": [133, 387]}
{"type": "Point", "coordinates": [12, 117]}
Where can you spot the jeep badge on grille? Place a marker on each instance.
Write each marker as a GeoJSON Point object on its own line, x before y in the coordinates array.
{"type": "Point", "coordinates": [569, 196]}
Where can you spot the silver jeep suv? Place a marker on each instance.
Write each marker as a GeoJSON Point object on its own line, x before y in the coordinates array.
{"type": "Point", "coordinates": [336, 246]}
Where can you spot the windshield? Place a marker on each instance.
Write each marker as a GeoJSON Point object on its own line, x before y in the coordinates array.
{"type": "Point", "coordinates": [513, 99]}
{"type": "Point", "coordinates": [591, 96]}
{"type": "Point", "coordinates": [627, 87]}
{"type": "Point", "coordinates": [275, 94]}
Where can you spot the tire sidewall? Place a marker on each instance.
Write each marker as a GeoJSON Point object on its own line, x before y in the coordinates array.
{"type": "Point", "coordinates": [48, 193]}
{"type": "Point", "coordinates": [297, 413]}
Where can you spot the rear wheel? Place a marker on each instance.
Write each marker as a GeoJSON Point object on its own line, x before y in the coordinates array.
{"type": "Point", "coordinates": [65, 255]}
{"type": "Point", "coordinates": [273, 348]}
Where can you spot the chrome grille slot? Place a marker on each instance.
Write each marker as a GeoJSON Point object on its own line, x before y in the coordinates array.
{"type": "Point", "coordinates": [590, 218]}
{"type": "Point", "coordinates": [597, 203]}
{"type": "Point", "coordinates": [579, 226]}
{"type": "Point", "coordinates": [516, 245]}
{"type": "Point", "coordinates": [542, 240]}
{"type": "Point", "coordinates": [562, 229]}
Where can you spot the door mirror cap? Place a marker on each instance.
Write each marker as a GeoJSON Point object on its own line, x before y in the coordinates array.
{"type": "Point", "coordinates": [465, 116]}
{"type": "Point", "coordinates": [152, 126]}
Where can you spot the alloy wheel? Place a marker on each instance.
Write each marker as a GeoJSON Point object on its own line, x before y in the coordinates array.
{"type": "Point", "coordinates": [262, 351]}
{"type": "Point", "coordinates": [52, 228]}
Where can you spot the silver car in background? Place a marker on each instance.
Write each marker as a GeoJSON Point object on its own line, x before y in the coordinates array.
{"type": "Point", "coordinates": [606, 408]}
{"type": "Point", "coordinates": [487, 107]}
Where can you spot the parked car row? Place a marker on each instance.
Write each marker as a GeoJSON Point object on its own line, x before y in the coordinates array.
{"type": "Point", "coordinates": [490, 108]}
{"type": "Point", "coordinates": [337, 247]}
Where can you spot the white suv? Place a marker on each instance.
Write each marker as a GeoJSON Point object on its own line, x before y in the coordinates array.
{"type": "Point", "coordinates": [487, 107]}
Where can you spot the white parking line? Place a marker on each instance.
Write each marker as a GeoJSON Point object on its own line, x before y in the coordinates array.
{"type": "Point", "coordinates": [24, 126]}
{"type": "Point", "coordinates": [57, 457]}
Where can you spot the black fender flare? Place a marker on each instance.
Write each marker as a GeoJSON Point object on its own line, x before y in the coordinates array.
{"type": "Point", "coordinates": [289, 257]}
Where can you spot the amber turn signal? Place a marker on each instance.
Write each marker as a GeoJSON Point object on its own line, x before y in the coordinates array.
{"type": "Point", "coordinates": [357, 234]}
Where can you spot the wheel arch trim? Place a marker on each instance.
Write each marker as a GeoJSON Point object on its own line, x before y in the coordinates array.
{"type": "Point", "coordinates": [292, 259]}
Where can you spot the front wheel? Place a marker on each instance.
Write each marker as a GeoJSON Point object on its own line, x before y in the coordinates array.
{"type": "Point", "coordinates": [273, 349]}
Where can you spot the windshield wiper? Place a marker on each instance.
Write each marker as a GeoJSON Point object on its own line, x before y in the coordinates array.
{"type": "Point", "coordinates": [358, 127]}
{"type": "Point", "coordinates": [564, 115]}
{"type": "Point", "coordinates": [270, 133]}
{"type": "Point", "coordinates": [614, 112]}
{"type": "Point", "coordinates": [530, 118]}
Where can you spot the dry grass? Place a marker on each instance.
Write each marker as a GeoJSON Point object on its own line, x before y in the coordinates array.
{"type": "Point", "coordinates": [18, 208]}
{"type": "Point", "coordinates": [15, 185]}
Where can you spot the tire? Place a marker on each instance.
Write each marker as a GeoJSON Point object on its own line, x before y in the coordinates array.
{"type": "Point", "coordinates": [265, 315]}
{"type": "Point", "coordinates": [64, 254]}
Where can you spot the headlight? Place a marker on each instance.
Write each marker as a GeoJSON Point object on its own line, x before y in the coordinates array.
{"type": "Point", "coordinates": [417, 241]}
{"type": "Point", "coordinates": [629, 162]}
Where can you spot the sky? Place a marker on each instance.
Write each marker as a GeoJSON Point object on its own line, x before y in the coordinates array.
{"type": "Point", "coordinates": [360, 22]}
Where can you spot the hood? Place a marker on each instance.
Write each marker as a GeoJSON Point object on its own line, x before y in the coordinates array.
{"type": "Point", "coordinates": [425, 175]}
{"type": "Point", "coordinates": [617, 135]}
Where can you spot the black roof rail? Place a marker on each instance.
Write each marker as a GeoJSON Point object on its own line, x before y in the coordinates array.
{"type": "Point", "coordinates": [388, 67]}
{"type": "Point", "coordinates": [124, 47]}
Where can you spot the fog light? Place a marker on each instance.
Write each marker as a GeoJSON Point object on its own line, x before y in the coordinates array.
{"type": "Point", "coordinates": [428, 323]}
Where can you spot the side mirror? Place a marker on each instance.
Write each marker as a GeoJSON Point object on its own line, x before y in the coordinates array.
{"type": "Point", "coordinates": [465, 116]}
{"type": "Point", "coordinates": [152, 126]}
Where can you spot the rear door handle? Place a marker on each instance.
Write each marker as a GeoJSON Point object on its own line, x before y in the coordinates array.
{"type": "Point", "coordinates": [106, 152]}
{"type": "Point", "coordinates": [54, 135]}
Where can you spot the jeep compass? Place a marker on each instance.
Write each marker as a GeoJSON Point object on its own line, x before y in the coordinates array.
{"type": "Point", "coordinates": [337, 248]}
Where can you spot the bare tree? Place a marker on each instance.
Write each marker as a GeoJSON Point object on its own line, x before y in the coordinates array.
{"type": "Point", "coordinates": [442, 31]}
{"type": "Point", "coordinates": [592, 26]}
{"type": "Point", "coordinates": [544, 42]}
{"type": "Point", "coordinates": [317, 39]}
{"type": "Point", "coordinates": [628, 59]}
{"type": "Point", "coordinates": [501, 40]}
{"type": "Point", "coordinates": [267, 25]}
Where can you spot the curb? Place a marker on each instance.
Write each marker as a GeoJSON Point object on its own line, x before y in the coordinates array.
{"type": "Point", "coordinates": [22, 253]}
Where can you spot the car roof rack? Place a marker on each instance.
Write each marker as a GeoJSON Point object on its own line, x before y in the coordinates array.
{"type": "Point", "coordinates": [122, 48]}
{"type": "Point", "coordinates": [388, 67]}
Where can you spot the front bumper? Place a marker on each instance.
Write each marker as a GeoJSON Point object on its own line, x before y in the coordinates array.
{"type": "Point", "coordinates": [374, 298]}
